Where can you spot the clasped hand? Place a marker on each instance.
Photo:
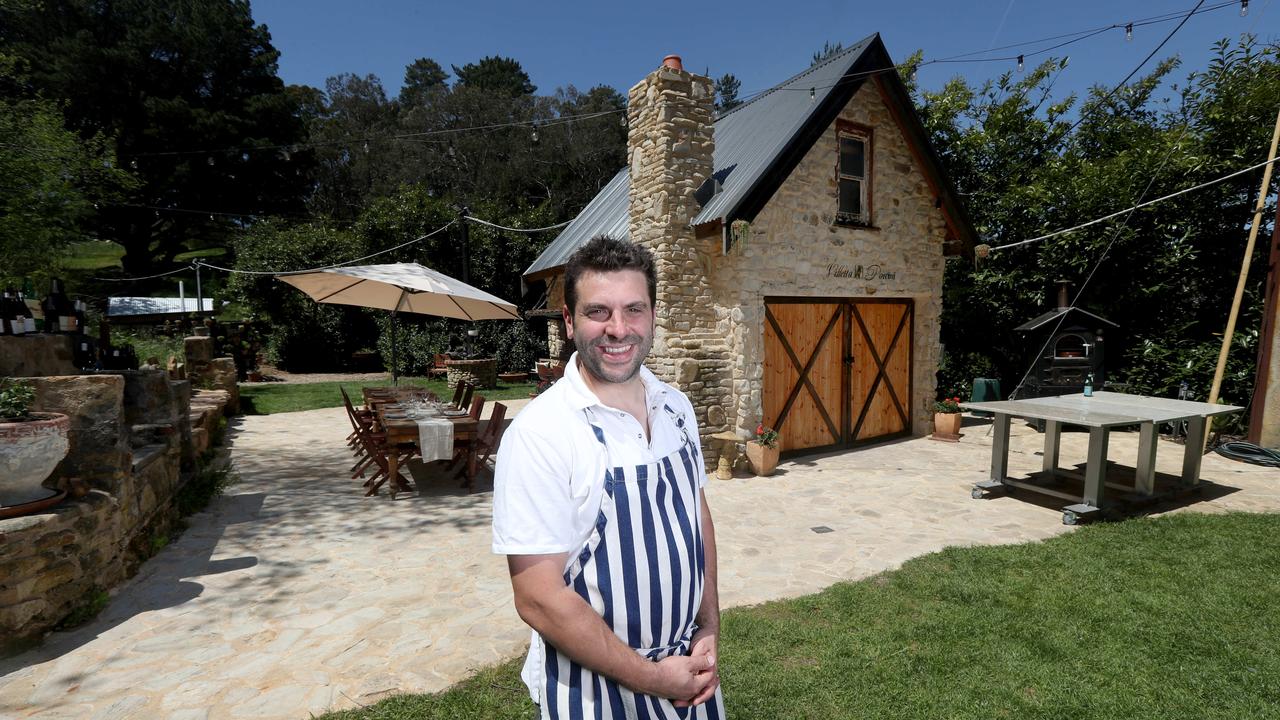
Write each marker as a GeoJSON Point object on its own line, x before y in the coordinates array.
{"type": "Point", "coordinates": [692, 679]}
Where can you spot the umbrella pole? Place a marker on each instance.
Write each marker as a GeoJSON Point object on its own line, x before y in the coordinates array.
{"type": "Point", "coordinates": [395, 378]}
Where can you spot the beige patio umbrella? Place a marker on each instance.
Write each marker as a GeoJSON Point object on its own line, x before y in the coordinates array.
{"type": "Point", "coordinates": [402, 287]}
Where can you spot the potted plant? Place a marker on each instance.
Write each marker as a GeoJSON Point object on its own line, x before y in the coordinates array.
{"type": "Point", "coordinates": [31, 446]}
{"type": "Point", "coordinates": [946, 419]}
{"type": "Point", "coordinates": [762, 452]}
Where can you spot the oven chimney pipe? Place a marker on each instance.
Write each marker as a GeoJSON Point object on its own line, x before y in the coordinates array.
{"type": "Point", "coordinates": [1063, 301]}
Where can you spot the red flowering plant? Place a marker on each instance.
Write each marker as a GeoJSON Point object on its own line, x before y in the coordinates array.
{"type": "Point", "coordinates": [947, 406]}
{"type": "Point", "coordinates": [766, 436]}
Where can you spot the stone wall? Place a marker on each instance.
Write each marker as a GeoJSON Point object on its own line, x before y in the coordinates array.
{"type": "Point", "coordinates": [798, 224]}
{"type": "Point", "coordinates": [37, 355]}
{"type": "Point", "coordinates": [209, 373]}
{"type": "Point", "coordinates": [670, 148]}
{"type": "Point", "coordinates": [131, 435]}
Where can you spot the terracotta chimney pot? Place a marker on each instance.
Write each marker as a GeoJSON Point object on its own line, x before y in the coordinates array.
{"type": "Point", "coordinates": [673, 62]}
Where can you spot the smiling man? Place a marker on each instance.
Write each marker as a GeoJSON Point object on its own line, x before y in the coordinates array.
{"type": "Point", "coordinates": [599, 507]}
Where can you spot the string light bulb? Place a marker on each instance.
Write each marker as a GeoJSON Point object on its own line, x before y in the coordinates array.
{"type": "Point", "coordinates": [813, 93]}
{"type": "Point", "coordinates": [1244, 7]}
{"type": "Point", "coordinates": [1128, 31]}
{"type": "Point", "coordinates": [623, 120]}
{"type": "Point", "coordinates": [534, 135]}
{"type": "Point", "coordinates": [1019, 63]}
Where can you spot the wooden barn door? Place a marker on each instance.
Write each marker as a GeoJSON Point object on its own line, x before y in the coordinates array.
{"type": "Point", "coordinates": [837, 372]}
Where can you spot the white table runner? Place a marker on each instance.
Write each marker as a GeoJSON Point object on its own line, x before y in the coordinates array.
{"type": "Point", "coordinates": [435, 438]}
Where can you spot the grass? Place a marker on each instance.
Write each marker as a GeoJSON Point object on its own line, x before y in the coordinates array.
{"type": "Point", "coordinates": [93, 255]}
{"type": "Point", "coordinates": [147, 344]}
{"type": "Point", "coordinates": [273, 398]}
{"type": "Point", "coordinates": [201, 253]}
{"type": "Point", "coordinates": [1171, 618]}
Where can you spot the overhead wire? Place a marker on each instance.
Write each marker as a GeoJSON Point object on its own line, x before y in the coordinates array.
{"type": "Point", "coordinates": [437, 231]}
{"type": "Point", "coordinates": [1118, 213]}
{"type": "Point", "coordinates": [1076, 36]}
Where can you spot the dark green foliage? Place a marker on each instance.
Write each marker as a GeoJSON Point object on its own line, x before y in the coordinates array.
{"type": "Point", "coordinates": [94, 602]}
{"type": "Point", "coordinates": [49, 179]}
{"type": "Point", "coordinates": [828, 50]}
{"type": "Point", "coordinates": [496, 75]}
{"type": "Point", "coordinates": [160, 79]}
{"type": "Point", "coordinates": [1169, 270]}
{"type": "Point", "coordinates": [727, 87]}
{"type": "Point", "coordinates": [208, 482]}
{"type": "Point", "coordinates": [304, 335]}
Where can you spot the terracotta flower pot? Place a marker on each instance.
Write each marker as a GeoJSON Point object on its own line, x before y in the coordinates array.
{"type": "Point", "coordinates": [946, 426]}
{"type": "Point", "coordinates": [763, 459]}
{"type": "Point", "coordinates": [29, 451]}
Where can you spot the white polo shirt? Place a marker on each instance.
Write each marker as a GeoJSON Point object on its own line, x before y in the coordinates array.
{"type": "Point", "coordinates": [549, 476]}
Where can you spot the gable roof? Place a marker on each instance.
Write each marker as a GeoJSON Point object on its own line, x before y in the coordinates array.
{"type": "Point", "coordinates": [759, 143]}
{"type": "Point", "coordinates": [1041, 320]}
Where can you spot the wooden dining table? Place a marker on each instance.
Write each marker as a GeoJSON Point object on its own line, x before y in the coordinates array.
{"type": "Point", "coordinates": [402, 431]}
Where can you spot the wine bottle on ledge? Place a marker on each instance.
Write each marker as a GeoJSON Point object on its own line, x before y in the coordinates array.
{"type": "Point", "coordinates": [59, 313]}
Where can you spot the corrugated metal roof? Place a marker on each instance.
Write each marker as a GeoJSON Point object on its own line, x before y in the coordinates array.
{"type": "Point", "coordinates": [118, 306]}
{"type": "Point", "coordinates": [750, 141]}
{"type": "Point", "coordinates": [751, 136]}
{"type": "Point", "coordinates": [606, 214]}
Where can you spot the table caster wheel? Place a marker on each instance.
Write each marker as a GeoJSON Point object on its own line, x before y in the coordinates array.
{"type": "Point", "coordinates": [976, 493]}
{"type": "Point", "coordinates": [1069, 518]}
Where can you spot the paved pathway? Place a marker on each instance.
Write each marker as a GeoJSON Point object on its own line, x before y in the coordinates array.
{"type": "Point", "coordinates": [294, 594]}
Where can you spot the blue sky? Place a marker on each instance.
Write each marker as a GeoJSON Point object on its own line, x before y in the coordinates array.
{"type": "Point", "coordinates": [762, 43]}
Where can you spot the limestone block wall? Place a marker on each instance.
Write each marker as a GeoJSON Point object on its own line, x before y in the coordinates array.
{"type": "Point", "coordinates": [127, 445]}
{"type": "Point", "coordinates": [670, 145]}
{"type": "Point", "coordinates": [37, 354]}
{"type": "Point", "coordinates": [793, 246]}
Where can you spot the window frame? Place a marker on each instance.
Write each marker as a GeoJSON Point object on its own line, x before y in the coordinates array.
{"type": "Point", "coordinates": [866, 134]}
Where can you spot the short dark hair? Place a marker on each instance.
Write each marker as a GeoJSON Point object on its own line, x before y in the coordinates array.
{"type": "Point", "coordinates": [605, 254]}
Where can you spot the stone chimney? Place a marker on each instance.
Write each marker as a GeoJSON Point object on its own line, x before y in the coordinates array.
{"type": "Point", "coordinates": [669, 147]}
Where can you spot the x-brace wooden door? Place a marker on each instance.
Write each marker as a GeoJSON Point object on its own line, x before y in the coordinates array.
{"type": "Point", "coordinates": [837, 371]}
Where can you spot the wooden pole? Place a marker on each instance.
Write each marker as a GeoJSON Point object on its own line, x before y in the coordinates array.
{"type": "Point", "coordinates": [1244, 273]}
{"type": "Point", "coordinates": [1264, 416]}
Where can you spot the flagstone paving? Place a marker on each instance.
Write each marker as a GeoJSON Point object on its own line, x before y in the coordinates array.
{"type": "Point", "coordinates": [294, 594]}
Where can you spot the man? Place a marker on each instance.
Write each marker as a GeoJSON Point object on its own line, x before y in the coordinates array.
{"type": "Point", "coordinates": [598, 506]}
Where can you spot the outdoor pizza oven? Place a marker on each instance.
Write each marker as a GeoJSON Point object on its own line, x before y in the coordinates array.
{"type": "Point", "coordinates": [1070, 347]}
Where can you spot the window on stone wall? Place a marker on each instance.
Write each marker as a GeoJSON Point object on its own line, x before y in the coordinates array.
{"type": "Point", "coordinates": [853, 175]}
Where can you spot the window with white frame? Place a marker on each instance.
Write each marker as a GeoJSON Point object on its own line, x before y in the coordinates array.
{"type": "Point", "coordinates": [853, 178]}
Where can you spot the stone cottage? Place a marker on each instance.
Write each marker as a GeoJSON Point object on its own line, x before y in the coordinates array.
{"type": "Point", "coordinates": [800, 239]}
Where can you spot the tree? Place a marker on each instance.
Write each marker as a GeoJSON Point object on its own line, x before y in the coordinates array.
{"type": "Point", "coordinates": [727, 87]}
{"type": "Point", "coordinates": [187, 92]}
{"type": "Point", "coordinates": [495, 74]}
{"type": "Point", "coordinates": [424, 79]}
{"type": "Point", "coordinates": [1161, 272]}
{"type": "Point", "coordinates": [49, 180]}
{"type": "Point", "coordinates": [356, 158]}
{"type": "Point", "coordinates": [828, 50]}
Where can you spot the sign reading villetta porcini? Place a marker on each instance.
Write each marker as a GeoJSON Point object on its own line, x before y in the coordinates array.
{"type": "Point", "coordinates": [860, 272]}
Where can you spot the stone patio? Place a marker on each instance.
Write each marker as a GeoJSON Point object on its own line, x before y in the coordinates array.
{"type": "Point", "coordinates": [294, 594]}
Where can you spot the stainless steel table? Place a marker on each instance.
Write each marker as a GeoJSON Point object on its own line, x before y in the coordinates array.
{"type": "Point", "coordinates": [1099, 413]}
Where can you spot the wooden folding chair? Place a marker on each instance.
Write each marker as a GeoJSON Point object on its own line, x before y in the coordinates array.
{"type": "Point", "coordinates": [458, 389]}
{"type": "Point", "coordinates": [438, 367]}
{"type": "Point", "coordinates": [487, 442]}
{"type": "Point", "coordinates": [465, 402]}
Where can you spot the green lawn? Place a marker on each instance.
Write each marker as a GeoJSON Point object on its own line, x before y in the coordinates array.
{"type": "Point", "coordinates": [1173, 617]}
{"type": "Point", "coordinates": [273, 398]}
{"type": "Point", "coordinates": [202, 253]}
{"type": "Point", "coordinates": [94, 255]}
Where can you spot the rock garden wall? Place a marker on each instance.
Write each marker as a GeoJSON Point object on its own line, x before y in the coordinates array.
{"type": "Point", "coordinates": [136, 438]}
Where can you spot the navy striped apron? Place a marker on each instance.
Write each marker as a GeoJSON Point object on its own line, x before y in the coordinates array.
{"type": "Point", "coordinates": [642, 570]}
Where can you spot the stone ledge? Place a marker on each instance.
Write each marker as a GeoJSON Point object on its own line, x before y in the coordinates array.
{"type": "Point", "coordinates": [144, 456]}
